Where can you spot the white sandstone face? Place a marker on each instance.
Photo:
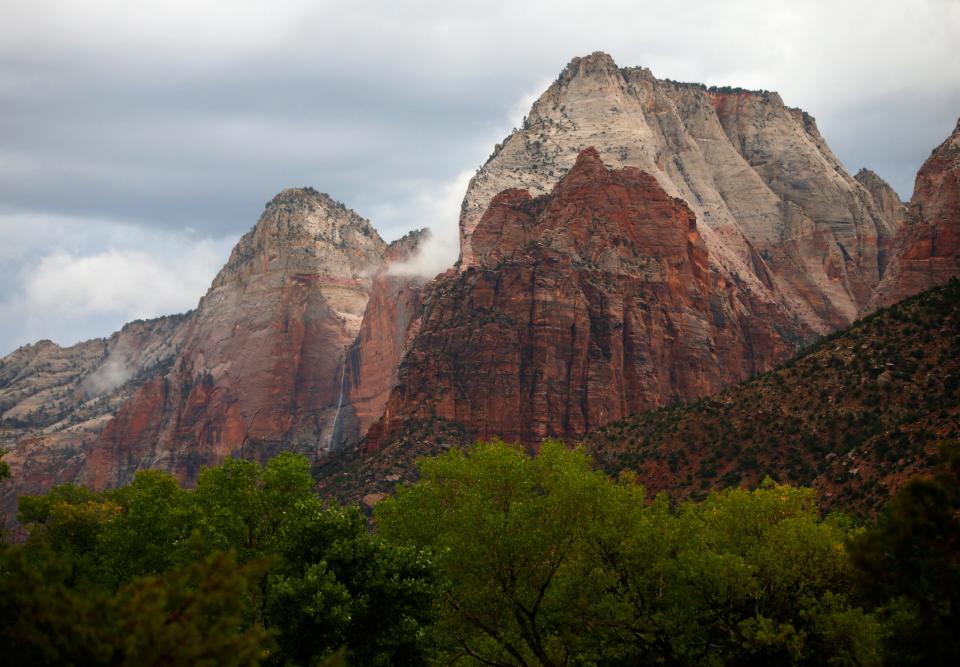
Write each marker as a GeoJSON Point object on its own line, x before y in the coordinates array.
{"type": "Point", "coordinates": [764, 185]}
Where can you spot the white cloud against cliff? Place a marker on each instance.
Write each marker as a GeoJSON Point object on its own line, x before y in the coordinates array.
{"type": "Point", "coordinates": [135, 283]}
{"type": "Point", "coordinates": [440, 212]}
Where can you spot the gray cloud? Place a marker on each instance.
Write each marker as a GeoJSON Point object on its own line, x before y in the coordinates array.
{"type": "Point", "coordinates": [180, 119]}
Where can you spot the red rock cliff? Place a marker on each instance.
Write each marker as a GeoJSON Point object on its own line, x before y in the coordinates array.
{"type": "Point", "coordinates": [926, 252]}
{"type": "Point", "coordinates": [389, 322]}
{"type": "Point", "coordinates": [776, 209]}
{"type": "Point", "coordinates": [583, 305]}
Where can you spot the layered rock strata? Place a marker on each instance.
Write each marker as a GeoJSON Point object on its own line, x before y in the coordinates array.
{"type": "Point", "coordinates": [580, 307]}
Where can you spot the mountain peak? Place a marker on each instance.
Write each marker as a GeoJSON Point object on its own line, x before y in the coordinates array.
{"type": "Point", "coordinates": [954, 137]}
{"type": "Point", "coordinates": [303, 204]}
{"type": "Point", "coordinates": [873, 181]}
{"type": "Point", "coordinates": [306, 231]}
{"type": "Point", "coordinates": [305, 195]}
{"type": "Point", "coordinates": [597, 63]}
{"type": "Point", "coordinates": [587, 158]}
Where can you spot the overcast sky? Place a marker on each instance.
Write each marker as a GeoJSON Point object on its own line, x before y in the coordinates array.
{"type": "Point", "coordinates": [139, 140]}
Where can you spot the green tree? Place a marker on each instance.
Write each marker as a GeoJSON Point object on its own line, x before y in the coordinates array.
{"type": "Point", "coordinates": [312, 575]}
{"type": "Point", "coordinates": [769, 582]}
{"type": "Point", "coordinates": [548, 562]}
{"type": "Point", "coordinates": [150, 532]}
{"type": "Point", "coordinates": [509, 533]}
{"type": "Point", "coordinates": [65, 526]}
{"type": "Point", "coordinates": [240, 505]}
{"type": "Point", "coordinates": [188, 616]}
{"type": "Point", "coordinates": [909, 566]}
{"type": "Point", "coordinates": [335, 585]}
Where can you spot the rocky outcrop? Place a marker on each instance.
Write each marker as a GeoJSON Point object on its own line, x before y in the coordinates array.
{"type": "Point", "coordinates": [776, 210]}
{"type": "Point", "coordinates": [885, 196]}
{"type": "Point", "coordinates": [580, 307]}
{"type": "Point", "coordinates": [926, 252]}
{"type": "Point", "coordinates": [261, 367]}
{"type": "Point", "coordinates": [54, 400]}
{"type": "Point", "coordinates": [893, 209]}
{"type": "Point", "coordinates": [389, 322]}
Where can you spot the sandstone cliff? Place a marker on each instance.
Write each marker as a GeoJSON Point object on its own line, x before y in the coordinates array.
{"type": "Point", "coordinates": [926, 252]}
{"type": "Point", "coordinates": [389, 322]}
{"type": "Point", "coordinates": [884, 196]}
{"type": "Point", "coordinates": [261, 367]}
{"type": "Point", "coordinates": [580, 307]}
{"type": "Point", "coordinates": [757, 174]}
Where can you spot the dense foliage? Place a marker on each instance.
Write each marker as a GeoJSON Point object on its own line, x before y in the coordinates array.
{"type": "Point", "coordinates": [250, 567]}
{"type": "Point", "coordinates": [909, 566]}
{"type": "Point", "coordinates": [493, 557]}
{"type": "Point", "coordinates": [548, 562]}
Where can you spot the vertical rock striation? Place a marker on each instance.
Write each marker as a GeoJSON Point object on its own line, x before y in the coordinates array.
{"type": "Point", "coordinates": [580, 307]}
{"type": "Point", "coordinates": [390, 321]}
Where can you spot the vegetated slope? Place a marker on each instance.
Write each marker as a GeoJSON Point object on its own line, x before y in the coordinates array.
{"type": "Point", "coordinates": [855, 416]}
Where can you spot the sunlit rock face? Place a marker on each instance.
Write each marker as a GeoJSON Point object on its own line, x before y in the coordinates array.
{"type": "Point", "coordinates": [776, 210]}
{"type": "Point", "coordinates": [261, 367]}
{"type": "Point", "coordinates": [581, 306]}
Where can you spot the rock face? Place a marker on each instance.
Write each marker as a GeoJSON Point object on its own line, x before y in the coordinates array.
{"type": "Point", "coordinates": [757, 174]}
{"type": "Point", "coordinates": [926, 252]}
{"type": "Point", "coordinates": [261, 367]}
{"type": "Point", "coordinates": [54, 400]}
{"type": "Point", "coordinates": [885, 196]}
{"type": "Point", "coordinates": [891, 205]}
{"type": "Point", "coordinates": [389, 322]}
{"type": "Point", "coordinates": [580, 307]}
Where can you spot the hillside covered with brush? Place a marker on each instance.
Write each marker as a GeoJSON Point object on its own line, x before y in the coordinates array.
{"type": "Point", "coordinates": [854, 416]}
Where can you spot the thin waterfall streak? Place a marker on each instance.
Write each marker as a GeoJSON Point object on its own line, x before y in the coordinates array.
{"type": "Point", "coordinates": [336, 415]}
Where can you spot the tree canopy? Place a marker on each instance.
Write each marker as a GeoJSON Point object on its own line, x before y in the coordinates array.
{"type": "Point", "coordinates": [251, 557]}
{"type": "Point", "coordinates": [494, 557]}
{"type": "Point", "coordinates": [548, 562]}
